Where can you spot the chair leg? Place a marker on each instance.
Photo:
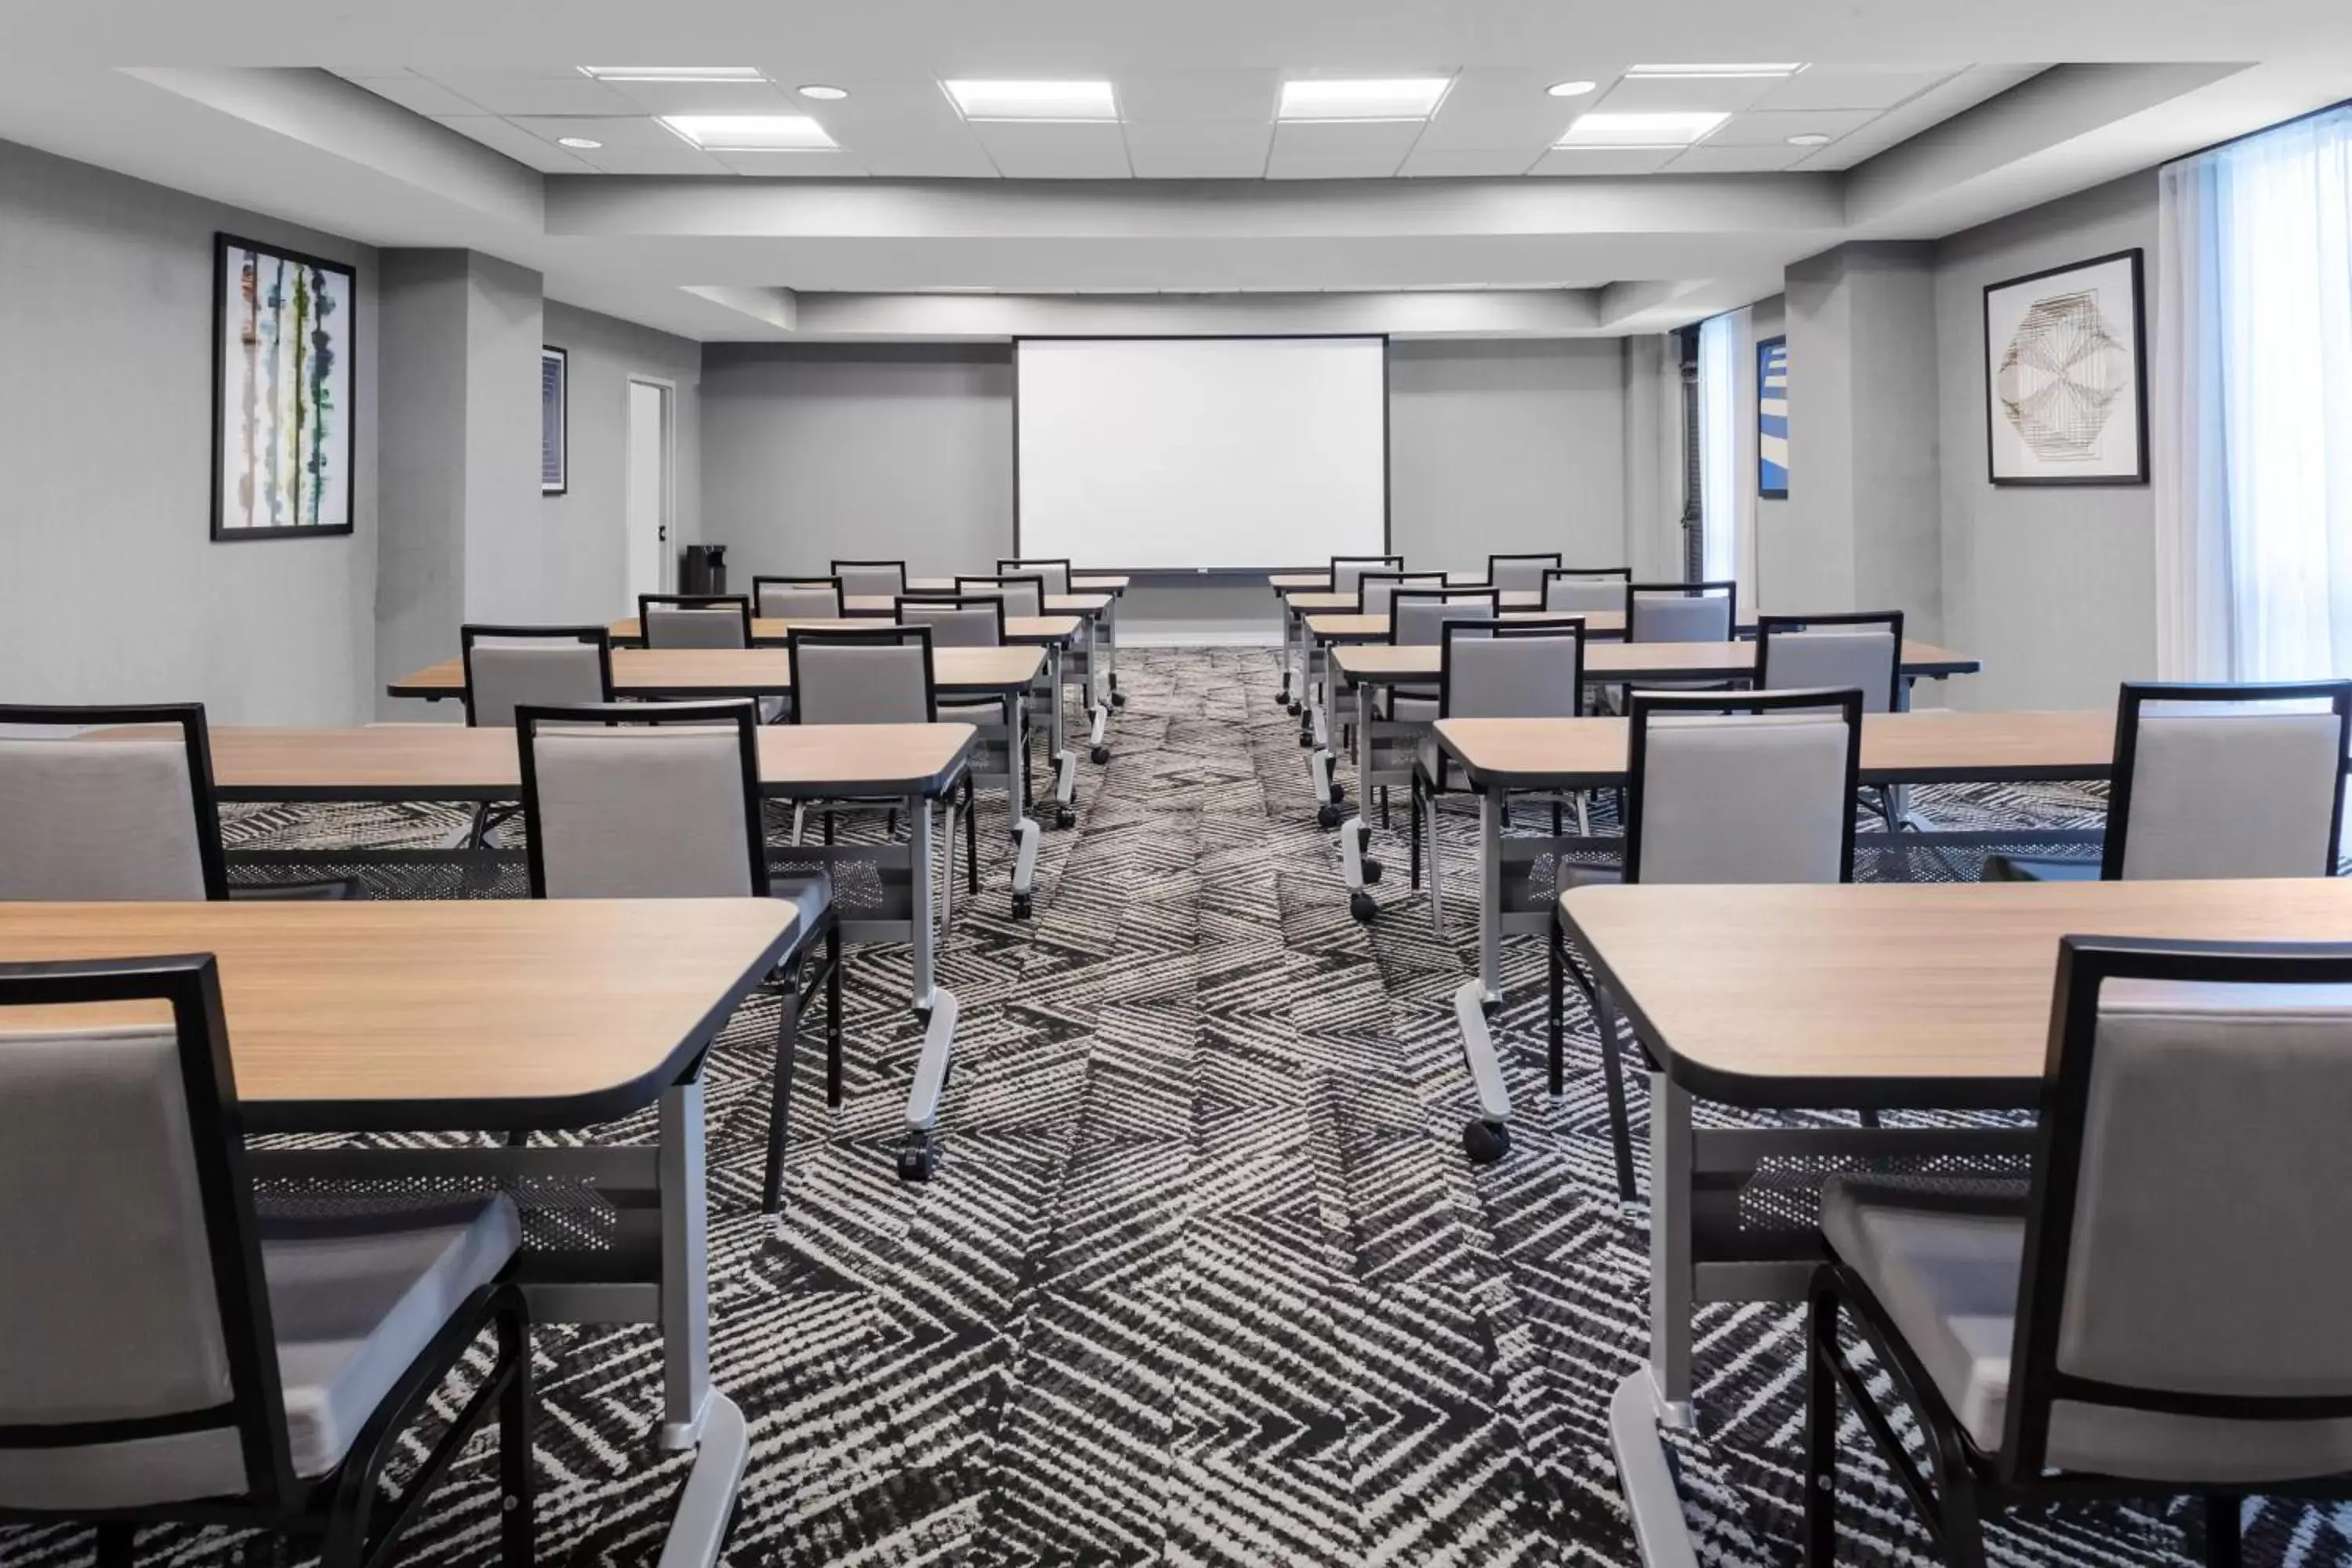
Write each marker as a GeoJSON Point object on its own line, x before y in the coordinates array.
{"type": "Point", "coordinates": [1413, 809]}
{"type": "Point", "coordinates": [518, 1472]}
{"type": "Point", "coordinates": [780, 1092]}
{"type": "Point", "coordinates": [117, 1545]}
{"type": "Point", "coordinates": [1555, 819]}
{"type": "Point", "coordinates": [832, 1015]}
{"type": "Point", "coordinates": [1436, 886]}
{"type": "Point", "coordinates": [1384, 807]}
{"type": "Point", "coordinates": [971, 841]}
{"type": "Point", "coordinates": [1612, 1076]}
{"type": "Point", "coordinates": [2222, 1531]}
{"type": "Point", "coordinates": [1559, 1004]}
{"type": "Point", "coordinates": [1821, 1431]}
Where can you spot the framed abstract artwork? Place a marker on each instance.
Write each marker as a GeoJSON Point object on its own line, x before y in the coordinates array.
{"type": "Point", "coordinates": [554, 421]}
{"type": "Point", "coordinates": [2066, 375]}
{"type": "Point", "coordinates": [284, 328]}
{"type": "Point", "coordinates": [1772, 419]}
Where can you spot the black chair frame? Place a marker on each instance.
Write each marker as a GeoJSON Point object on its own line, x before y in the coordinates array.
{"type": "Point", "coordinates": [600, 637]}
{"type": "Point", "coordinates": [1726, 586]}
{"type": "Point", "coordinates": [2135, 694]}
{"type": "Point", "coordinates": [811, 580]}
{"type": "Point", "coordinates": [1493, 561]}
{"type": "Point", "coordinates": [195, 737]}
{"type": "Point", "coordinates": [899, 565]}
{"type": "Point", "coordinates": [955, 600]}
{"type": "Point", "coordinates": [647, 602]}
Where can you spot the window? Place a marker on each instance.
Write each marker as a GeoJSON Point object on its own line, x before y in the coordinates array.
{"type": "Point", "coordinates": [1718, 358]}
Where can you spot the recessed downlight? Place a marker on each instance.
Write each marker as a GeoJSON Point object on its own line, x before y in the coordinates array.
{"type": "Point", "coordinates": [1808, 138]}
{"type": "Point", "coordinates": [1571, 88]}
{"type": "Point", "coordinates": [582, 143]}
{"type": "Point", "coordinates": [818, 90]}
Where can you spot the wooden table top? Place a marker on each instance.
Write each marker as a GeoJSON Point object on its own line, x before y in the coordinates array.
{"type": "Point", "coordinates": [751, 672]}
{"type": "Point", "coordinates": [1896, 748]}
{"type": "Point", "coordinates": [416, 1015]}
{"type": "Point", "coordinates": [1891, 993]}
{"type": "Point", "coordinates": [1080, 582]}
{"type": "Point", "coordinates": [1379, 663]}
{"type": "Point", "coordinates": [1341, 606]}
{"type": "Point", "coordinates": [455, 762]}
{"type": "Point", "coordinates": [773, 630]}
{"type": "Point", "coordinates": [1082, 605]}
{"type": "Point", "coordinates": [1293, 583]}
{"type": "Point", "coordinates": [1350, 627]}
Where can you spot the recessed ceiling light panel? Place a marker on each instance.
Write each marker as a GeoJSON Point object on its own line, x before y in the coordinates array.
{"type": "Point", "coordinates": [1034, 99]}
{"type": "Point", "coordinates": [1571, 88]}
{"type": "Point", "coordinates": [674, 73]}
{"type": "Point", "coordinates": [582, 142]}
{"type": "Point", "coordinates": [1629, 131]}
{"type": "Point", "coordinates": [1711, 72]}
{"type": "Point", "coordinates": [1808, 138]}
{"type": "Point", "coordinates": [1398, 98]}
{"type": "Point", "coordinates": [818, 90]}
{"type": "Point", "coordinates": [750, 133]}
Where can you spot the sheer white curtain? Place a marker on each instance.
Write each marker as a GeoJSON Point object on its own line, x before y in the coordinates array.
{"type": "Point", "coordinates": [1719, 441]}
{"type": "Point", "coordinates": [2252, 407]}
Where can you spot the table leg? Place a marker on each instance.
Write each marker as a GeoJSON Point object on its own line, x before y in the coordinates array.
{"type": "Point", "coordinates": [1066, 762]}
{"type": "Point", "coordinates": [1354, 832]}
{"type": "Point", "coordinates": [1110, 651]}
{"type": "Point", "coordinates": [1025, 832]}
{"type": "Point", "coordinates": [1477, 1000]}
{"type": "Point", "coordinates": [1660, 1393]}
{"type": "Point", "coordinates": [1094, 703]}
{"type": "Point", "coordinates": [694, 1415]}
{"type": "Point", "coordinates": [917, 1157]}
{"type": "Point", "coordinates": [1282, 636]}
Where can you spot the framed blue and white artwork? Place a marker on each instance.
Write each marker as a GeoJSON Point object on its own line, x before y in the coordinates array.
{"type": "Point", "coordinates": [554, 421]}
{"type": "Point", "coordinates": [1772, 419]}
{"type": "Point", "coordinates": [282, 400]}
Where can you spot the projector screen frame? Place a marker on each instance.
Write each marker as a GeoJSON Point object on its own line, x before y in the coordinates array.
{"type": "Point", "coordinates": [1388, 513]}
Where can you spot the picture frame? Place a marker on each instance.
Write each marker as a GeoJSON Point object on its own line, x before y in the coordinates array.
{"type": "Point", "coordinates": [285, 400]}
{"type": "Point", "coordinates": [554, 420]}
{"type": "Point", "coordinates": [1772, 419]}
{"type": "Point", "coordinates": [2066, 375]}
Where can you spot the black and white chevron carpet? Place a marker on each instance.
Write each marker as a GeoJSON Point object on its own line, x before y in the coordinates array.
{"type": "Point", "coordinates": [1205, 1278]}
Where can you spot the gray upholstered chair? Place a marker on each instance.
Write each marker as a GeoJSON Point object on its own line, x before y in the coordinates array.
{"type": "Point", "coordinates": [797, 598]}
{"type": "Point", "coordinates": [1347, 571]}
{"type": "Point", "coordinates": [548, 666]}
{"type": "Point", "coordinates": [1417, 618]}
{"type": "Point", "coordinates": [165, 1355]}
{"type": "Point", "coordinates": [1022, 595]}
{"type": "Point", "coordinates": [956, 620]}
{"type": "Point", "coordinates": [1580, 590]}
{"type": "Point", "coordinates": [105, 820]}
{"type": "Point", "coordinates": [871, 579]}
{"type": "Point", "coordinates": [1680, 612]}
{"type": "Point", "coordinates": [1729, 787]}
{"type": "Point", "coordinates": [1375, 591]}
{"type": "Point", "coordinates": [648, 800]}
{"type": "Point", "coordinates": [1054, 568]}
{"type": "Point", "coordinates": [1863, 649]}
{"type": "Point", "coordinates": [2216, 781]}
{"type": "Point", "coordinates": [695, 620]}
{"type": "Point", "coordinates": [2160, 1310]}
{"type": "Point", "coordinates": [1521, 574]}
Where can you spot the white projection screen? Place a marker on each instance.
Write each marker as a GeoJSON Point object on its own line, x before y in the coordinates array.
{"type": "Point", "coordinates": [1202, 453]}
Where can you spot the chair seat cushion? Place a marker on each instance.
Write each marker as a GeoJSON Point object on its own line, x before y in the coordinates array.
{"type": "Point", "coordinates": [2035, 869]}
{"type": "Point", "coordinates": [1573, 876]}
{"type": "Point", "coordinates": [1948, 1280]}
{"type": "Point", "coordinates": [810, 896]}
{"type": "Point", "coordinates": [355, 1300]}
{"type": "Point", "coordinates": [979, 710]}
{"type": "Point", "coordinates": [1411, 708]}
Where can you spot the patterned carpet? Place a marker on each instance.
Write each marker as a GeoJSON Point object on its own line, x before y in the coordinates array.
{"type": "Point", "coordinates": [1205, 1276]}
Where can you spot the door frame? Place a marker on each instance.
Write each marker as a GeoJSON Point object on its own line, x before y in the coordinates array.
{"type": "Point", "coordinates": [667, 577]}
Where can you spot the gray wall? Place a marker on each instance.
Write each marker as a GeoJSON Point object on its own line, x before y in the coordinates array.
{"type": "Point", "coordinates": [110, 588]}
{"type": "Point", "coordinates": [2054, 588]}
{"type": "Point", "coordinates": [906, 451]}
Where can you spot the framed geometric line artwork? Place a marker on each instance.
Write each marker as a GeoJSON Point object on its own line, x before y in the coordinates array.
{"type": "Point", "coordinates": [1772, 419]}
{"type": "Point", "coordinates": [2066, 375]}
{"type": "Point", "coordinates": [284, 330]}
{"type": "Point", "coordinates": [554, 421]}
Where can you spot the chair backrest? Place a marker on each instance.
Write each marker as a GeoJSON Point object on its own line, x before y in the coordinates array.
{"type": "Point", "coordinates": [1863, 649]}
{"type": "Point", "coordinates": [1579, 589]}
{"type": "Point", "coordinates": [107, 820]}
{"type": "Point", "coordinates": [1679, 612]}
{"type": "Point", "coordinates": [1374, 590]}
{"type": "Point", "coordinates": [871, 579]}
{"type": "Point", "coordinates": [547, 666]}
{"type": "Point", "coordinates": [132, 1306]}
{"type": "Point", "coordinates": [1055, 570]}
{"type": "Point", "coordinates": [644, 800]}
{"type": "Point", "coordinates": [956, 620]}
{"type": "Point", "coordinates": [876, 675]}
{"type": "Point", "coordinates": [1416, 616]}
{"type": "Point", "coordinates": [2228, 781]}
{"type": "Point", "coordinates": [1347, 571]}
{"type": "Point", "coordinates": [1742, 786]}
{"type": "Point", "coordinates": [1022, 595]}
{"type": "Point", "coordinates": [1521, 574]}
{"type": "Point", "coordinates": [2190, 1211]}
{"type": "Point", "coordinates": [695, 620]}
{"type": "Point", "coordinates": [797, 598]}
{"type": "Point", "coordinates": [1512, 670]}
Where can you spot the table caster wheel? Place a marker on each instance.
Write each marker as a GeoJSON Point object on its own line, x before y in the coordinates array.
{"type": "Point", "coordinates": [1487, 1142]}
{"type": "Point", "coordinates": [916, 1158]}
{"type": "Point", "coordinates": [1338, 793]}
{"type": "Point", "coordinates": [1327, 816]}
{"type": "Point", "coordinates": [1294, 705]}
{"type": "Point", "coordinates": [1118, 699]}
{"type": "Point", "coordinates": [1489, 1005]}
{"type": "Point", "coordinates": [1361, 905]}
{"type": "Point", "coordinates": [1101, 754]}
{"type": "Point", "coordinates": [1363, 841]}
{"type": "Point", "coordinates": [1306, 739]}
{"type": "Point", "coordinates": [1372, 870]}
{"type": "Point", "coordinates": [1065, 818]}
{"type": "Point", "coordinates": [1021, 906]}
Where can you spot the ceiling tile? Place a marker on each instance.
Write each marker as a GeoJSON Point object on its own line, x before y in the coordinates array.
{"type": "Point", "coordinates": [1603, 161]}
{"type": "Point", "coordinates": [369, 73]}
{"type": "Point", "coordinates": [421, 97]}
{"type": "Point", "coordinates": [1206, 150]}
{"type": "Point", "coordinates": [1489, 109]}
{"type": "Point", "coordinates": [1846, 87]}
{"type": "Point", "coordinates": [1065, 150]}
{"type": "Point", "coordinates": [523, 92]}
{"type": "Point", "coordinates": [895, 111]}
{"type": "Point", "coordinates": [811, 164]}
{"type": "Point", "coordinates": [707, 98]}
{"type": "Point", "coordinates": [1653, 94]}
{"type": "Point", "coordinates": [1377, 165]}
{"type": "Point", "coordinates": [958, 157]}
{"type": "Point", "coordinates": [619, 134]}
{"type": "Point", "coordinates": [1714, 160]}
{"type": "Point", "coordinates": [1765, 129]}
{"type": "Point", "coordinates": [502, 136]}
{"type": "Point", "coordinates": [1346, 138]}
{"type": "Point", "coordinates": [1190, 97]}
{"type": "Point", "coordinates": [679, 160]}
{"type": "Point", "coordinates": [1462, 162]}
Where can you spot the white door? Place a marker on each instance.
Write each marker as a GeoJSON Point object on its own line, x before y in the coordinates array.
{"type": "Point", "coordinates": [649, 489]}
